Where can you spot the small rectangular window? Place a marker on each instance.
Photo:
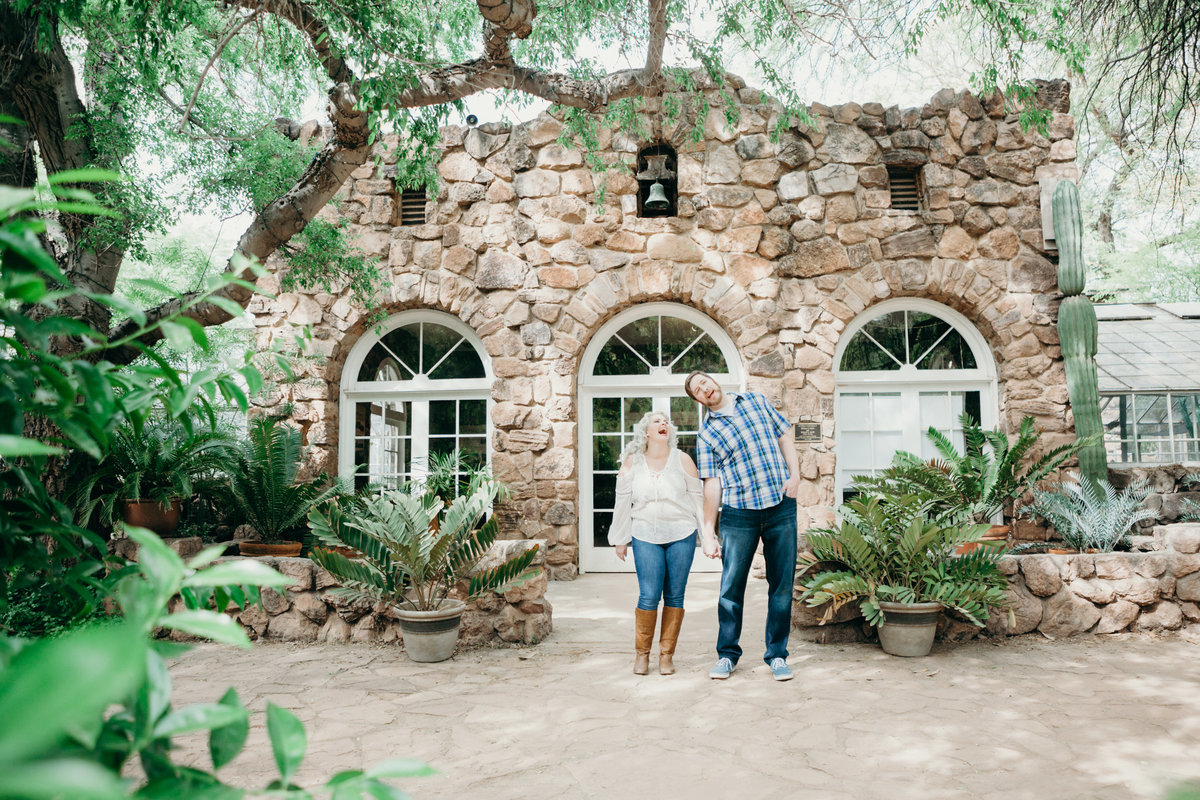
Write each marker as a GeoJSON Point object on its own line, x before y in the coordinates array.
{"type": "Point", "coordinates": [905, 187]}
{"type": "Point", "coordinates": [1152, 427]}
{"type": "Point", "coordinates": [410, 207]}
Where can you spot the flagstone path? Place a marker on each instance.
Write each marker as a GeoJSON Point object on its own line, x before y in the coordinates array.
{"type": "Point", "coordinates": [1092, 717]}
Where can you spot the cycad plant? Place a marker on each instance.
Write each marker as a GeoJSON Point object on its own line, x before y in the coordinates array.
{"type": "Point", "coordinates": [887, 548]}
{"type": "Point", "coordinates": [1190, 508]}
{"type": "Point", "coordinates": [976, 484]}
{"type": "Point", "coordinates": [1091, 515]}
{"type": "Point", "coordinates": [406, 560]}
{"type": "Point", "coordinates": [159, 460]}
{"type": "Point", "coordinates": [263, 485]}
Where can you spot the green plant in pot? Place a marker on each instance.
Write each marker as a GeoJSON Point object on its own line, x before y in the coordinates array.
{"type": "Point", "coordinates": [413, 564]}
{"type": "Point", "coordinates": [898, 562]}
{"type": "Point", "coordinates": [1090, 516]}
{"type": "Point", "coordinates": [977, 484]}
{"type": "Point", "coordinates": [265, 491]}
{"type": "Point", "coordinates": [150, 467]}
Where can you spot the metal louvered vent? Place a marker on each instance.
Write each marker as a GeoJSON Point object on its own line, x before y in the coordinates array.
{"type": "Point", "coordinates": [411, 210]}
{"type": "Point", "coordinates": [906, 194]}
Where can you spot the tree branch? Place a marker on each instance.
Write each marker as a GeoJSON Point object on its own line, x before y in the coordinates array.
{"type": "Point", "coordinates": [302, 17]}
{"type": "Point", "coordinates": [187, 112]}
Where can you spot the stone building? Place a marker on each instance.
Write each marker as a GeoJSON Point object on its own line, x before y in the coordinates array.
{"type": "Point", "coordinates": [874, 273]}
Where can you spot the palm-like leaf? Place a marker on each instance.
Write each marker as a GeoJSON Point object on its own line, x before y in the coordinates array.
{"type": "Point", "coordinates": [414, 550]}
{"type": "Point", "coordinates": [1092, 515]}
{"type": "Point", "coordinates": [887, 548]}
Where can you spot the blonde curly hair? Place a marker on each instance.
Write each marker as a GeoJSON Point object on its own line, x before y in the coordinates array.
{"type": "Point", "coordinates": [639, 441]}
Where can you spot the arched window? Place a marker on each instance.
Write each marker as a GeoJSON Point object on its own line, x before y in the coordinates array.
{"type": "Point", "coordinates": [417, 388]}
{"type": "Point", "coordinates": [904, 366]}
{"type": "Point", "coordinates": [634, 364]}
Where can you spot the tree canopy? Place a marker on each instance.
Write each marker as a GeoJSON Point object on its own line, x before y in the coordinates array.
{"type": "Point", "coordinates": [194, 102]}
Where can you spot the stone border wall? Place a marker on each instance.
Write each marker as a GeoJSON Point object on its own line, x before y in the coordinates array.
{"type": "Point", "coordinates": [308, 612]}
{"type": "Point", "coordinates": [1063, 595]}
{"type": "Point", "coordinates": [1168, 489]}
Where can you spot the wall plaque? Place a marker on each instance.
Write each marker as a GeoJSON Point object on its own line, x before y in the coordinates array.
{"type": "Point", "coordinates": [808, 432]}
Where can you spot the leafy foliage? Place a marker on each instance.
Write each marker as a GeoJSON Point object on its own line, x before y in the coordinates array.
{"type": "Point", "coordinates": [1092, 515]}
{"type": "Point", "coordinates": [1189, 507]}
{"type": "Point", "coordinates": [414, 549]}
{"type": "Point", "coordinates": [263, 479]}
{"type": "Point", "coordinates": [887, 548]}
{"type": "Point", "coordinates": [976, 484]}
{"type": "Point", "coordinates": [148, 459]}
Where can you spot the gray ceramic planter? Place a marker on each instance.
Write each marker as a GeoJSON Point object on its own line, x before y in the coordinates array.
{"type": "Point", "coordinates": [431, 635]}
{"type": "Point", "coordinates": [909, 628]}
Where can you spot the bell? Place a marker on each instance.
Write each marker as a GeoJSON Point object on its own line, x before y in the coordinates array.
{"type": "Point", "coordinates": [657, 199]}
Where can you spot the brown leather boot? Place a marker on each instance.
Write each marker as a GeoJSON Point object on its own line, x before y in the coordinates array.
{"type": "Point", "coordinates": [672, 619]}
{"type": "Point", "coordinates": [643, 638]}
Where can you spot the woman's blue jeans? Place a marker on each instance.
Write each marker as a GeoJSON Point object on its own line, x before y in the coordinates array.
{"type": "Point", "coordinates": [662, 571]}
{"type": "Point", "coordinates": [741, 528]}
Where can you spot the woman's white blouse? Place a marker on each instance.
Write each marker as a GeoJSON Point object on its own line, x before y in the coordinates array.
{"type": "Point", "coordinates": [656, 507]}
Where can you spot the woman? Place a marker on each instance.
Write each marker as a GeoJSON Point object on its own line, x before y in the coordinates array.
{"type": "Point", "coordinates": [658, 508]}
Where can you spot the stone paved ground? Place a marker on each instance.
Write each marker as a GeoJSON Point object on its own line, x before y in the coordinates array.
{"type": "Point", "coordinates": [1097, 718]}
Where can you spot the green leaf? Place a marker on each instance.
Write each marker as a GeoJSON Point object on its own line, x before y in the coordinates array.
{"type": "Point", "coordinates": [288, 740]}
{"type": "Point", "coordinates": [209, 625]}
{"type": "Point", "coordinates": [401, 768]}
{"type": "Point", "coordinates": [200, 717]}
{"type": "Point", "coordinates": [230, 307]}
{"type": "Point", "coordinates": [178, 336]}
{"type": "Point", "coordinates": [242, 572]}
{"type": "Point", "coordinates": [159, 563]}
{"type": "Point", "coordinates": [381, 791]}
{"type": "Point", "coordinates": [226, 742]}
{"type": "Point", "coordinates": [205, 557]}
{"type": "Point", "coordinates": [85, 175]}
{"type": "Point", "coordinates": [20, 447]}
{"type": "Point", "coordinates": [154, 286]}
{"type": "Point", "coordinates": [59, 778]}
{"type": "Point", "coordinates": [57, 684]}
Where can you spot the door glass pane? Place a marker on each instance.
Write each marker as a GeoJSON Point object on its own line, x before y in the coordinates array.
{"type": "Point", "coordinates": [854, 411]}
{"type": "Point", "coordinates": [705, 356]}
{"type": "Point", "coordinates": [399, 349]}
{"type": "Point", "coordinates": [442, 417]}
{"type": "Point", "coordinates": [460, 364]}
{"type": "Point", "coordinates": [604, 487]}
{"type": "Point", "coordinates": [382, 443]}
{"type": "Point", "coordinates": [642, 337]}
{"type": "Point", "coordinates": [886, 411]}
{"type": "Point", "coordinates": [950, 353]}
{"type": "Point", "coordinates": [606, 452]}
{"type": "Point", "coordinates": [472, 416]}
{"type": "Point", "coordinates": [474, 451]}
{"type": "Point", "coordinates": [863, 354]}
{"type": "Point", "coordinates": [685, 414]}
{"type": "Point", "coordinates": [888, 331]}
{"type": "Point", "coordinates": [634, 409]}
{"type": "Point", "coordinates": [855, 452]}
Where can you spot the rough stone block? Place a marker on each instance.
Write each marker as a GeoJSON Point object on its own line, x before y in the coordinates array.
{"type": "Point", "coordinates": [1164, 616]}
{"type": "Point", "coordinates": [1117, 616]}
{"type": "Point", "coordinates": [1064, 614]}
{"type": "Point", "coordinates": [1041, 575]}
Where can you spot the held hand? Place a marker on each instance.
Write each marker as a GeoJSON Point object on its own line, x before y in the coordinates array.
{"type": "Point", "coordinates": [791, 486]}
{"type": "Point", "coordinates": [710, 546]}
{"type": "Point", "coordinates": [622, 549]}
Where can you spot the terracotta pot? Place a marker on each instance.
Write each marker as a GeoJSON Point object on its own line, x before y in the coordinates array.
{"type": "Point", "coordinates": [431, 635]}
{"type": "Point", "coordinates": [1060, 551]}
{"type": "Point", "coordinates": [261, 549]}
{"type": "Point", "coordinates": [909, 628]}
{"type": "Point", "coordinates": [152, 515]}
{"type": "Point", "coordinates": [348, 552]}
{"type": "Point", "coordinates": [996, 536]}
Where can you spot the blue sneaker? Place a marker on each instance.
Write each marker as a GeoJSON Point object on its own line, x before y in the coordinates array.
{"type": "Point", "coordinates": [722, 670]}
{"type": "Point", "coordinates": [780, 671]}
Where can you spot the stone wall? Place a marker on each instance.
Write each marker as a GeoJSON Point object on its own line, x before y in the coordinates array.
{"type": "Point", "coordinates": [781, 242]}
{"type": "Point", "coordinates": [307, 612]}
{"type": "Point", "coordinates": [1169, 489]}
{"type": "Point", "coordinates": [1063, 595]}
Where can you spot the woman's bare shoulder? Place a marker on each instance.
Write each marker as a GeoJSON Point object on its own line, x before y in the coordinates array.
{"type": "Point", "coordinates": [689, 466]}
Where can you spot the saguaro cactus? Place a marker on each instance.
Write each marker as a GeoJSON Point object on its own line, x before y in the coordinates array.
{"type": "Point", "coordinates": [1077, 330]}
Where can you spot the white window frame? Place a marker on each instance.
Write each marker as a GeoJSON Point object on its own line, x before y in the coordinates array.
{"type": "Point", "coordinates": [419, 390]}
{"type": "Point", "coordinates": [910, 381]}
{"type": "Point", "coordinates": [660, 386]}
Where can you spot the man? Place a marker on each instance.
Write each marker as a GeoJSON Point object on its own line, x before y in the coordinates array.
{"type": "Point", "coordinates": [747, 460]}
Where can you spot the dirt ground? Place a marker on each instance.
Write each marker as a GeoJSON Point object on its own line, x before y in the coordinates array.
{"type": "Point", "coordinates": [1088, 717]}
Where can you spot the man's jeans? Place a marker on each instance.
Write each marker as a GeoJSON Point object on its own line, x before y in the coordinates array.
{"type": "Point", "coordinates": [741, 530]}
{"type": "Point", "coordinates": [662, 571]}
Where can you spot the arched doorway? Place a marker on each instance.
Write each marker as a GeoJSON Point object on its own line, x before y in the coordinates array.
{"type": "Point", "coordinates": [634, 364]}
{"type": "Point", "coordinates": [419, 385]}
{"type": "Point", "coordinates": [902, 367]}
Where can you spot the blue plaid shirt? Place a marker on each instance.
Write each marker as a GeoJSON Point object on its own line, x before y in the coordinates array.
{"type": "Point", "coordinates": [741, 447]}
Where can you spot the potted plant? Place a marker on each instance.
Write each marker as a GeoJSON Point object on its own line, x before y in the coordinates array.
{"type": "Point", "coordinates": [1090, 516]}
{"type": "Point", "coordinates": [977, 484]}
{"type": "Point", "coordinates": [150, 467]}
{"type": "Point", "coordinates": [894, 559]}
{"type": "Point", "coordinates": [414, 565]}
{"type": "Point", "coordinates": [265, 491]}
